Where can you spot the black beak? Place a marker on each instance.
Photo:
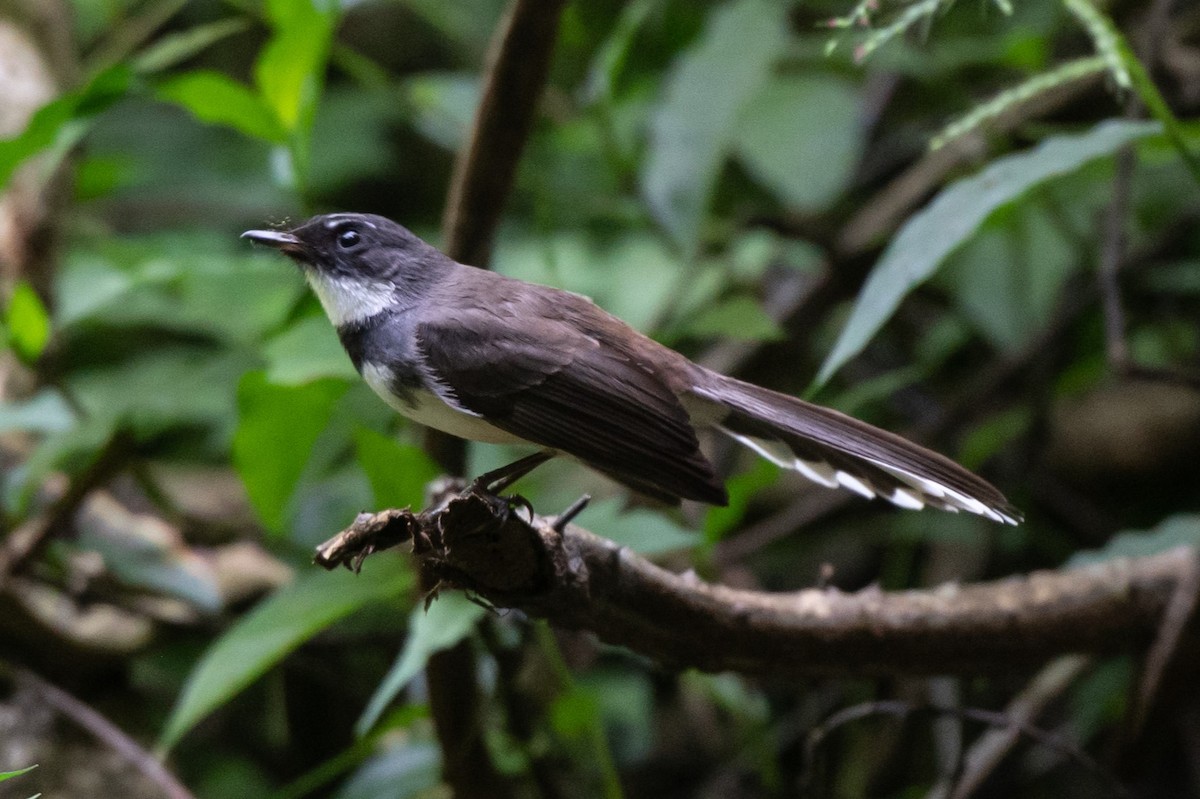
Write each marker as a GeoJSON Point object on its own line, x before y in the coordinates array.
{"type": "Point", "coordinates": [287, 243]}
{"type": "Point", "coordinates": [274, 238]}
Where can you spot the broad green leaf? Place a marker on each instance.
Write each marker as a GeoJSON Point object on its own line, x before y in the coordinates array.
{"type": "Point", "coordinates": [290, 69]}
{"type": "Point", "coordinates": [61, 122]}
{"type": "Point", "coordinates": [8, 775]}
{"type": "Point", "coordinates": [449, 620]}
{"type": "Point", "coordinates": [634, 277]}
{"type": "Point", "coordinates": [806, 158]}
{"type": "Point", "coordinates": [738, 317]}
{"type": "Point", "coordinates": [1008, 278]}
{"type": "Point", "coordinates": [398, 472]}
{"type": "Point", "coordinates": [306, 351]}
{"type": "Point", "coordinates": [274, 628]}
{"type": "Point", "coordinates": [955, 214]}
{"type": "Point", "coordinates": [182, 282]}
{"type": "Point", "coordinates": [277, 427]}
{"type": "Point", "coordinates": [217, 99]}
{"type": "Point", "coordinates": [165, 388]}
{"type": "Point", "coordinates": [1174, 531]}
{"type": "Point", "coordinates": [26, 322]}
{"type": "Point", "coordinates": [693, 129]}
{"type": "Point", "coordinates": [644, 531]}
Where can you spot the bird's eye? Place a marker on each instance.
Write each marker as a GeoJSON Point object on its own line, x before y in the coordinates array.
{"type": "Point", "coordinates": [348, 238]}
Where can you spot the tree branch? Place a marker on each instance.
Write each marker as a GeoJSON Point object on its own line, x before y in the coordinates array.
{"type": "Point", "coordinates": [576, 580]}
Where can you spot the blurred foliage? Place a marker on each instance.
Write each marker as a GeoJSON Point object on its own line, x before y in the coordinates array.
{"type": "Point", "coordinates": [750, 181]}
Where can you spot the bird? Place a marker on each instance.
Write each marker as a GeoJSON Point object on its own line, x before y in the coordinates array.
{"type": "Point", "coordinates": [495, 359]}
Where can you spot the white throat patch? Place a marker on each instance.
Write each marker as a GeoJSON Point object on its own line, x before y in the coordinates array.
{"type": "Point", "coordinates": [349, 299]}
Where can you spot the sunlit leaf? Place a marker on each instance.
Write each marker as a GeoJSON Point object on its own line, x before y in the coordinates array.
{"type": "Point", "coordinates": [449, 620]}
{"type": "Point", "coordinates": [219, 100]}
{"type": "Point", "coordinates": [277, 427]}
{"type": "Point", "coordinates": [693, 129]}
{"type": "Point", "coordinates": [955, 214]}
{"type": "Point", "coordinates": [26, 322]}
{"type": "Point", "coordinates": [274, 628]}
{"type": "Point", "coordinates": [290, 69]}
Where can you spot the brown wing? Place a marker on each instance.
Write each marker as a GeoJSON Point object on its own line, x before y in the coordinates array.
{"type": "Point", "coordinates": [546, 381]}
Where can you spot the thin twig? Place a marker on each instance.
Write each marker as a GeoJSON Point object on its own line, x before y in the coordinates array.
{"type": "Point", "coordinates": [1112, 253]}
{"type": "Point", "coordinates": [105, 732]}
{"type": "Point", "coordinates": [1176, 620]}
{"type": "Point", "coordinates": [993, 718]}
{"type": "Point", "coordinates": [990, 749]}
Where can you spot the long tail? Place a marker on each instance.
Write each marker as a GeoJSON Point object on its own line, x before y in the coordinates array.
{"type": "Point", "coordinates": [835, 450]}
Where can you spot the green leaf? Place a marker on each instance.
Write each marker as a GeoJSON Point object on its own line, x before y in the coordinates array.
{"type": "Point", "coordinates": [291, 66]}
{"type": "Point", "coordinates": [274, 628]}
{"type": "Point", "coordinates": [644, 531]}
{"type": "Point", "coordinates": [442, 106]}
{"type": "Point", "coordinates": [63, 121]}
{"type": "Point", "coordinates": [955, 214]}
{"type": "Point", "coordinates": [306, 351]}
{"type": "Point", "coordinates": [26, 322]}
{"type": "Point", "coordinates": [191, 283]}
{"type": "Point", "coordinates": [806, 158]}
{"type": "Point", "coordinates": [277, 427]}
{"type": "Point", "coordinates": [449, 620]}
{"type": "Point", "coordinates": [574, 713]}
{"type": "Point", "coordinates": [1008, 278]}
{"type": "Point", "coordinates": [1174, 531]}
{"type": "Point", "coordinates": [633, 276]}
{"type": "Point", "coordinates": [164, 388]}
{"type": "Point", "coordinates": [398, 472]}
{"type": "Point", "coordinates": [178, 47]}
{"type": "Point", "coordinates": [219, 100]}
{"type": "Point", "coordinates": [742, 489]}
{"type": "Point", "coordinates": [693, 129]}
{"type": "Point", "coordinates": [8, 775]}
{"type": "Point", "coordinates": [738, 317]}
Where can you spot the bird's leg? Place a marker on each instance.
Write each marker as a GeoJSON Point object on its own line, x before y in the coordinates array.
{"type": "Point", "coordinates": [497, 480]}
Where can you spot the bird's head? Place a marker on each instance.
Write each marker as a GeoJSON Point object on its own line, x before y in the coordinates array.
{"type": "Point", "coordinates": [358, 264]}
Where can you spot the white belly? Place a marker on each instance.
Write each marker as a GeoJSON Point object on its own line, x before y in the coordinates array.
{"type": "Point", "coordinates": [429, 409]}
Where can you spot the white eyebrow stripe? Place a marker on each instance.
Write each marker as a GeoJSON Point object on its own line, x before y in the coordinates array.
{"type": "Point", "coordinates": [333, 220]}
